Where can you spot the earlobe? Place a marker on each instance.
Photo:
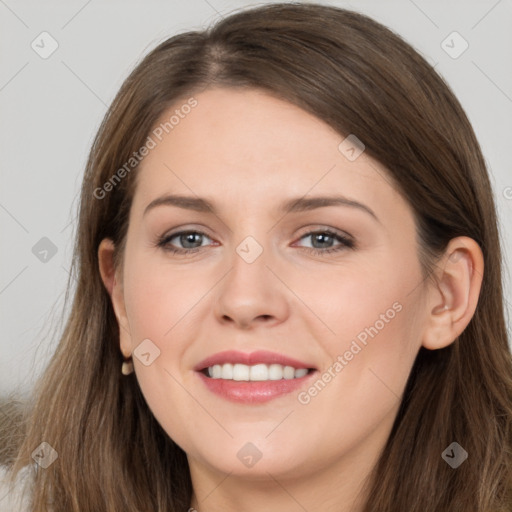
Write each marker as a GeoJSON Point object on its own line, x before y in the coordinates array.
{"type": "Point", "coordinates": [453, 301]}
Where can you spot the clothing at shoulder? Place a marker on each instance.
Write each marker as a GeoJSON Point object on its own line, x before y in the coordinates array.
{"type": "Point", "coordinates": [13, 498]}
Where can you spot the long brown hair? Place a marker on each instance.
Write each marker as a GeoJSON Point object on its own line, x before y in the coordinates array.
{"type": "Point", "coordinates": [360, 78]}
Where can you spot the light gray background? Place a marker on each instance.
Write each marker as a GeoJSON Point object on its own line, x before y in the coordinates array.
{"type": "Point", "coordinates": [51, 109]}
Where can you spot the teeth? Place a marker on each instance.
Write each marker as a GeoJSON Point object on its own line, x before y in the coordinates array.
{"type": "Point", "coordinates": [257, 372]}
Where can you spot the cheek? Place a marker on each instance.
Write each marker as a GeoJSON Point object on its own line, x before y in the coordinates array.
{"type": "Point", "coordinates": [157, 298]}
{"type": "Point", "coordinates": [359, 390]}
{"type": "Point", "coordinates": [369, 299]}
{"type": "Point", "coordinates": [160, 307]}
{"type": "Point", "coordinates": [374, 315]}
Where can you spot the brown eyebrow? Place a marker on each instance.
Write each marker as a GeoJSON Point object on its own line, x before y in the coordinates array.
{"type": "Point", "coordinates": [299, 204]}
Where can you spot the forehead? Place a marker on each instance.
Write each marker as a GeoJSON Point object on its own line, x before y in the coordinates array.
{"type": "Point", "coordinates": [248, 146]}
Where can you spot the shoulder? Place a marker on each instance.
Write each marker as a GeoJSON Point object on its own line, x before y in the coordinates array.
{"type": "Point", "coordinates": [14, 497]}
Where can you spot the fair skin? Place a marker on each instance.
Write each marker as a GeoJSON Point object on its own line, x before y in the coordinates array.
{"type": "Point", "coordinates": [247, 153]}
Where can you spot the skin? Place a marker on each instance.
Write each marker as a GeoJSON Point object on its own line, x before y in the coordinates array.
{"type": "Point", "coordinates": [247, 152]}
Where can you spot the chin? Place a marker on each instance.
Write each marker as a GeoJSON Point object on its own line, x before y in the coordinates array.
{"type": "Point", "coordinates": [249, 461]}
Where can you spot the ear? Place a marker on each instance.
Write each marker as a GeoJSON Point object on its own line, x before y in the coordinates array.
{"type": "Point", "coordinates": [112, 279]}
{"type": "Point", "coordinates": [452, 301]}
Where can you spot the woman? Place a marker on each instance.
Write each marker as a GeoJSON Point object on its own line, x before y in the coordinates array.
{"type": "Point", "coordinates": [333, 338]}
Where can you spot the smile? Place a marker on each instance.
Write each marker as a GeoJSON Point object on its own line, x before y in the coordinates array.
{"type": "Point", "coordinates": [255, 377]}
{"type": "Point", "coordinates": [258, 372]}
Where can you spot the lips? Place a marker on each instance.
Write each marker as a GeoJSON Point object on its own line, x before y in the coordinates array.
{"type": "Point", "coordinates": [251, 359]}
{"type": "Point", "coordinates": [256, 388]}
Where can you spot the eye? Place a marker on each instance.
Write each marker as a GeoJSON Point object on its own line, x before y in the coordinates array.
{"type": "Point", "coordinates": [188, 239]}
{"type": "Point", "coordinates": [323, 240]}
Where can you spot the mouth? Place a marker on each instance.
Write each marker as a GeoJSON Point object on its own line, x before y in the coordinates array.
{"type": "Point", "coordinates": [253, 378]}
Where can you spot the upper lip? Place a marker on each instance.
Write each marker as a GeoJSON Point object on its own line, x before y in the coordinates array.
{"type": "Point", "coordinates": [250, 359]}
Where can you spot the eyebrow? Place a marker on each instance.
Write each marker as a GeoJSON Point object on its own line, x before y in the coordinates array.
{"type": "Point", "coordinates": [299, 204]}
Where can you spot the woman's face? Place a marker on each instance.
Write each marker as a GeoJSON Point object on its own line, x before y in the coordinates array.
{"type": "Point", "coordinates": [335, 286]}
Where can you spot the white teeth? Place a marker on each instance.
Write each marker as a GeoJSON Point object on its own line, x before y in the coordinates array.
{"type": "Point", "coordinates": [275, 372]}
{"type": "Point", "coordinates": [215, 371]}
{"type": "Point", "coordinates": [289, 372]}
{"type": "Point", "coordinates": [257, 372]}
{"type": "Point", "coordinates": [240, 372]}
{"type": "Point", "coordinates": [227, 371]}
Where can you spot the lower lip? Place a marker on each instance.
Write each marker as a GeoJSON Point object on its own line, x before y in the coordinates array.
{"type": "Point", "coordinates": [253, 392]}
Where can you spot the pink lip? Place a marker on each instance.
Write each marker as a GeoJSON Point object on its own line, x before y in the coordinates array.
{"type": "Point", "coordinates": [256, 391]}
{"type": "Point", "coordinates": [258, 357]}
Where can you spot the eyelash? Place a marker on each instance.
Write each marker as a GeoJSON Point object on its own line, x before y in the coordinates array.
{"type": "Point", "coordinates": [346, 242]}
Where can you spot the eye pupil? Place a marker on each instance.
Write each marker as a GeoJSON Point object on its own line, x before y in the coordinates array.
{"type": "Point", "coordinates": [324, 238]}
{"type": "Point", "coordinates": [188, 238]}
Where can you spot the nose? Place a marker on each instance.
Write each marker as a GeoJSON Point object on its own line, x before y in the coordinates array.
{"type": "Point", "coordinates": [251, 294]}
